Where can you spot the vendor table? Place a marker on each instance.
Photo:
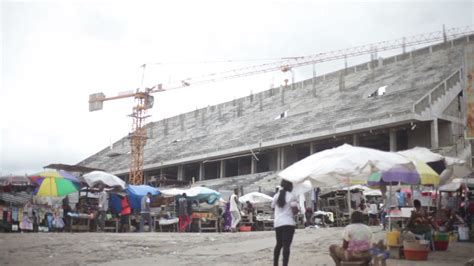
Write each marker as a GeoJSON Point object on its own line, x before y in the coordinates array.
{"type": "Point", "coordinates": [111, 225]}
{"type": "Point", "coordinates": [80, 223]}
{"type": "Point", "coordinates": [403, 215]}
{"type": "Point", "coordinates": [206, 225]}
{"type": "Point", "coordinates": [205, 221]}
{"type": "Point", "coordinates": [173, 223]}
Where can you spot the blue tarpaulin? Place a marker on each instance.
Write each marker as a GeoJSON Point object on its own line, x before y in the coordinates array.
{"type": "Point", "coordinates": [135, 195]}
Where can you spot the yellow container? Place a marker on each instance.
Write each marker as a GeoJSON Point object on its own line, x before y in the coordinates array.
{"type": "Point", "coordinates": [453, 237]}
{"type": "Point", "coordinates": [393, 238]}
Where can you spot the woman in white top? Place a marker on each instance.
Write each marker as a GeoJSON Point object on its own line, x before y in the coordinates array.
{"type": "Point", "coordinates": [285, 207]}
{"type": "Point", "coordinates": [234, 210]}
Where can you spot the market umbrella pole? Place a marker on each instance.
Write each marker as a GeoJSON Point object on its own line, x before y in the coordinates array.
{"type": "Point", "coordinates": [389, 208]}
{"type": "Point", "coordinates": [349, 202]}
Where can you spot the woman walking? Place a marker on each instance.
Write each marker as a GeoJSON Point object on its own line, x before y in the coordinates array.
{"type": "Point", "coordinates": [285, 206]}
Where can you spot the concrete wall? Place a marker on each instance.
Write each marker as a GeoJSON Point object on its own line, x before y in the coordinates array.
{"type": "Point", "coordinates": [291, 155]}
{"type": "Point", "coordinates": [420, 136]}
{"type": "Point", "coordinates": [226, 129]}
{"type": "Point", "coordinates": [445, 133]}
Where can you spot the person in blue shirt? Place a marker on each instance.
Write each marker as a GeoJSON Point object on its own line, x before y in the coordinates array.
{"type": "Point", "coordinates": [401, 198]}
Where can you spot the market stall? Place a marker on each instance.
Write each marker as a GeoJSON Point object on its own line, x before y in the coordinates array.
{"type": "Point", "coordinates": [205, 206]}
{"type": "Point", "coordinates": [135, 193]}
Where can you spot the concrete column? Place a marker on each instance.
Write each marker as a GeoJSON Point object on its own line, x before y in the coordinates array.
{"type": "Point", "coordinates": [222, 169]}
{"type": "Point", "coordinates": [311, 148]}
{"type": "Point", "coordinates": [145, 178]}
{"type": "Point", "coordinates": [393, 139]}
{"type": "Point", "coordinates": [279, 159]}
{"type": "Point", "coordinates": [180, 172]}
{"type": "Point", "coordinates": [282, 158]}
{"type": "Point", "coordinates": [355, 140]}
{"type": "Point", "coordinates": [434, 134]}
{"type": "Point", "coordinates": [253, 166]}
{"type": "Point", "coordinates": [201, 171]}
{"type": "Point", "coordinates": [162, 173]}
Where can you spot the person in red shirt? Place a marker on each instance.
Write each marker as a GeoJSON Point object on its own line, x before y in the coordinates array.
{"type": "Point", "coordinates": [125, 214]}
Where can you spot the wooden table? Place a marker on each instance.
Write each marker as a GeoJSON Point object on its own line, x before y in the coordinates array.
{"type": "Point", "coordinates": [82, 224]}
{"type": "Point", "coordinates": [209, 224]}
{"type": "Point", "coordinates": [112, 225]}
{"type": "Point", "coordinates": [173, 225]}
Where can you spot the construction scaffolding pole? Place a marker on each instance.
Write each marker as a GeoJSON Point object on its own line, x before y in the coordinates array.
{"type": "Point", "coordinates": [138, 137]}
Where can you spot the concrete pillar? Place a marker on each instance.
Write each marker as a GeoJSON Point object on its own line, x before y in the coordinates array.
{"type": "Point", "coordinates": [222, 169]}
{"type": "Point", "coordinates": [180, 172]}
{"type": "Point", "coordinates": [311, 148]}
{"type": "Point", "coordinates": [279, 159]}
{"type": "Point", "coordinates": [253, 166]}
{"type": "Point", "coordinates": [434, 134]}
{"type": "Point", "coordinates": [201, 171]}
{"type": "Point", "coordinates": [282, 92]}
{"type": "Point", "coordinates": [146, 177]}
{"type": "Point", "coordinates": [393, 139]}
{"type": "Point", "coordinates": [355, 140]}
{"type": "Point", "coordinates": [162, 173]}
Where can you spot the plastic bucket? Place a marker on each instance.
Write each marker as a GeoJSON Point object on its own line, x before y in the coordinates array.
{"type": "Point", "coordinates": [393, 238]}
{"type": "Point", "coordinates": [453, 237]}
{"type": "Point", "coordinates": [463, 232]}
{"type": "Point", "coordinates": [441, 237]}
{"type": "Point", "coordinates": [415, 254]}
{"type": "Point", "coordinates": [441, 245]}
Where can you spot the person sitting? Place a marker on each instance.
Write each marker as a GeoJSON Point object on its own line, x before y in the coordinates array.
{"type": "Point", "coordinates": [356, 243]}
{"type": "Point", "coordinates": [250, 211]}
{"type": "Point", "coordinates": [452, 219]}
{"type": "Point", "coordinates": [420, 223]}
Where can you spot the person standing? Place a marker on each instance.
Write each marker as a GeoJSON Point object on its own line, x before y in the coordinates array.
{"type": "Point", "coordinates": [183, 213]}
{"type": "Point", "coordinates": [285, 206]}
{"type": "Point", "coordinates": [401, 199]}
{"type": "Point", "coordinates": [373, 213]}
{"type": "Point", "coordinates": [227, 218]}
{"type": "Point", "coordinates": [103, 207]}
{"type": "Point", "coordinates": [234, 210]}
{"type": "Point", "coordinates": [315, 197]}
{"type": "Point", "coordinates": [145, 212]}
{"type": "Point", "coordinates": [125, 214]}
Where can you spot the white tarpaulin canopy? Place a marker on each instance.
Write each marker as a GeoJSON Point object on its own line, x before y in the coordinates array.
{"type": "Point", "coordinates": [455, 184]}
{"type": "Point", "coordinates": [422, 154]}
{"type": "Point", "coordinates": [173, 192]}
{"type": "Point", "coordinates": [190, 192]}
{"type": "Point", "coordinates": [345, 164]}
{"type": "Point", "coordinates": [372, 192]}
{"type": "Point", "coordinates": [426, 156]}
{"type": "Point", "coordinates": [195, 193]}
{"type": "Point", "coordinates": [98, 177]}
{"type": "Point", "coordinates": [365, 190]}
{"type": "Point", "coordinates": [255, 198]}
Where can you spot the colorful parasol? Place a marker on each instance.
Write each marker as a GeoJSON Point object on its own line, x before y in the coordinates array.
{"type": "Point", "coordinates": [424, 175]}
{"type": "Point", "coordinates": [55, 183]}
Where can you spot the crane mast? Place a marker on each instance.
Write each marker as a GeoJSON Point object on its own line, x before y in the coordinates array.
{"type": "Point", "coordinates": [144, 100]}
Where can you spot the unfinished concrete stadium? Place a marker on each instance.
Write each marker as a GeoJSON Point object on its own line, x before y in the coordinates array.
{"type": "Point", "coordinates": [411, 99]}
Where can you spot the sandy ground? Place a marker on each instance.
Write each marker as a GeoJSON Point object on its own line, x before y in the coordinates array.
{"type": "Point", "coordinates": [251, 248]}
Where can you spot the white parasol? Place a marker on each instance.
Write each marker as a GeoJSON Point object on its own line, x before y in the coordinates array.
{"type": "Point", "coordinates": [99, 177]}
{"type": "Point", "coordinates": [255, 198]}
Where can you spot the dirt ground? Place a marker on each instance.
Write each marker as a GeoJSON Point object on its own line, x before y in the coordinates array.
{"type": "Point", "coordinates": [310, 247]}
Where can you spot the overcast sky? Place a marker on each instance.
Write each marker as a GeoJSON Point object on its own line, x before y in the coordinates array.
{"type": "Point", "coordinates": [54, 54]}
